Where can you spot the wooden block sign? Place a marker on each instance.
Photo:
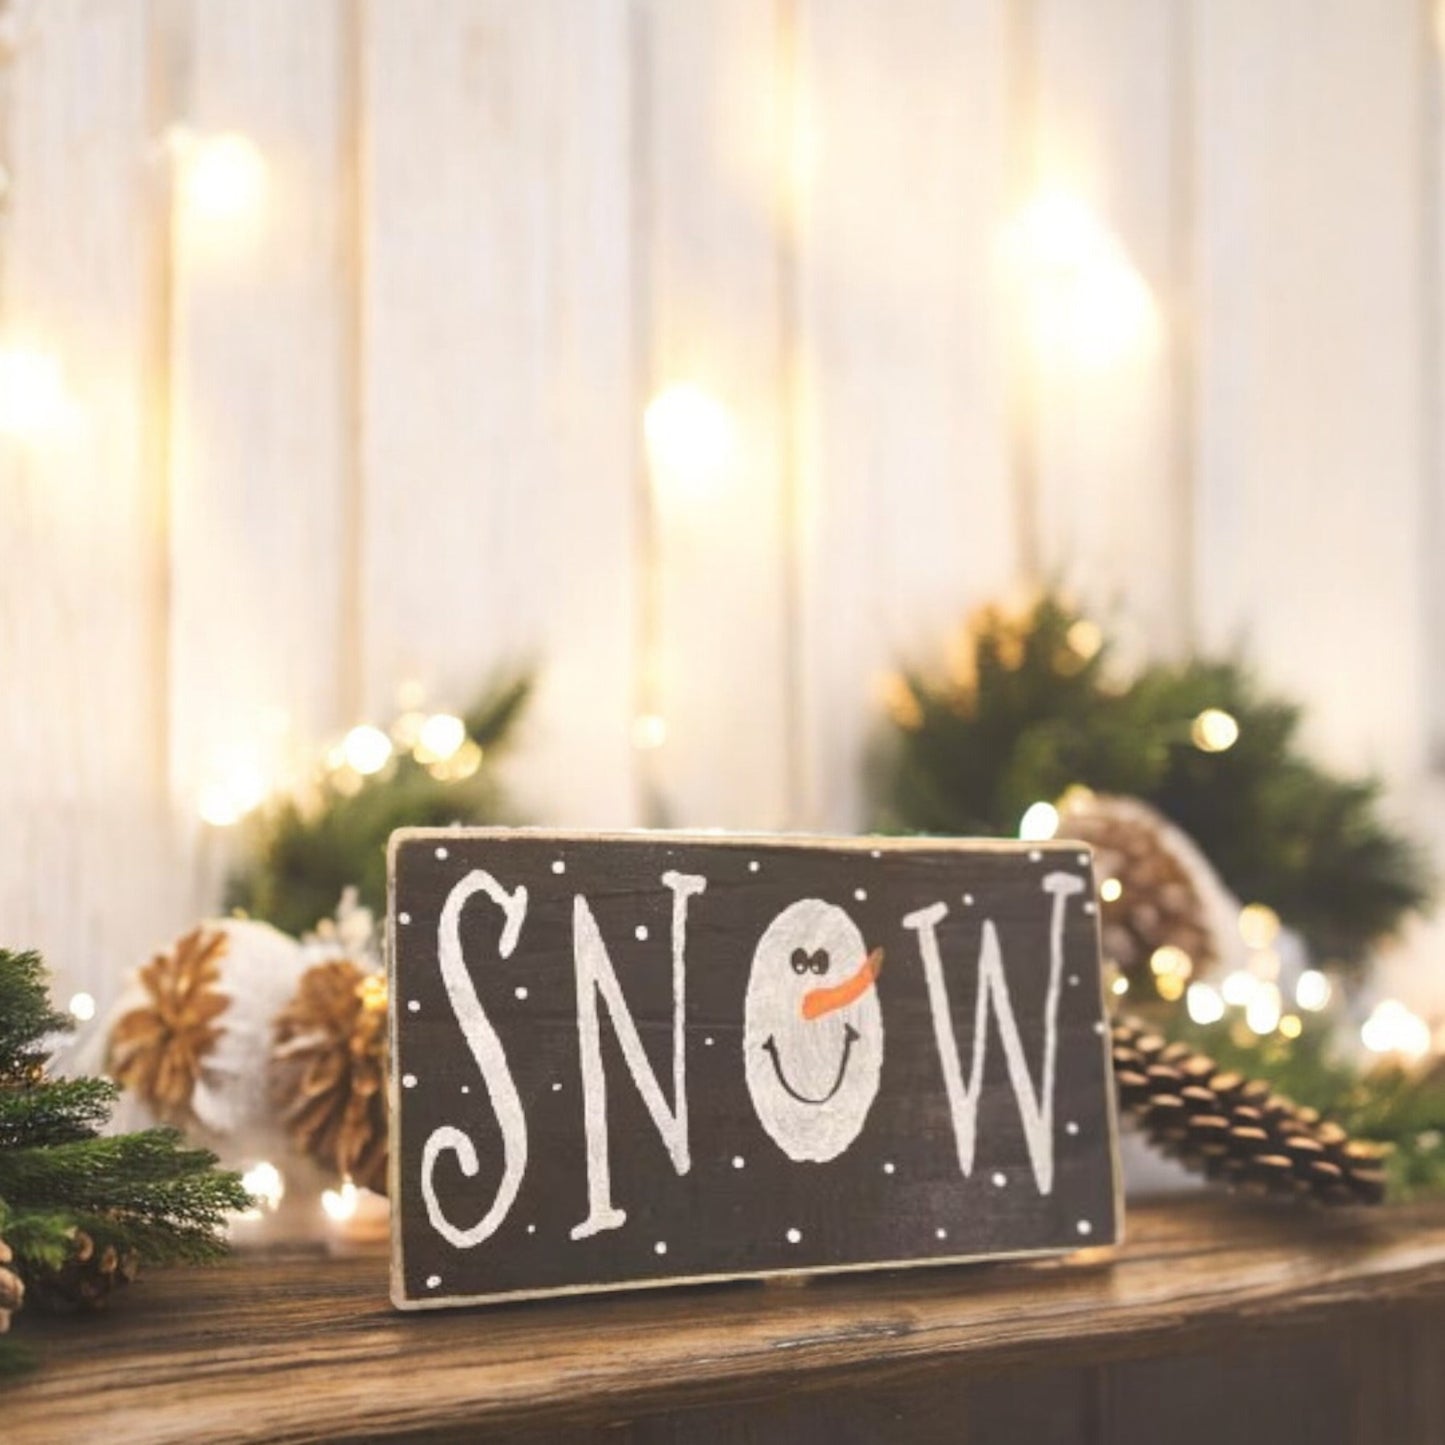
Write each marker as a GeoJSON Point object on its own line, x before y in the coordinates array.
{"type": "Point", "coordinates": [649, 1059]}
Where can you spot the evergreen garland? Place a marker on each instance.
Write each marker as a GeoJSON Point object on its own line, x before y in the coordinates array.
{"type": "Point", "coordinates": [1033, 707]}
{"type": "Point", "coordinates": [305, 852]}
{"type": "Point", "coordinates": [142, 1196]}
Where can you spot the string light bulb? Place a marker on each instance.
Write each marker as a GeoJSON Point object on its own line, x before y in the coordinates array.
{"type": "Point", "coordinates": [263, 1182]}
{"type": "Point", "coordinates": [1204, 1003]}
{"type": "Point", "coordinates": [1083, 298]}
{"type": "Point", "coordinates": [1393, 1029]}
{"type": "Point", "coordinates": [1214, 731]}
{"type": "Point", "coordinates": [81, 1007]}
{"type": "Point", "coordinates": [1111, 890]}
{"type": "Point", "coordinates": [236, 785]}
{"type": "Point", "coordinates": [1262, 1012]}
{"type": "Point", "coordinates": [367, 749]}
{"type": "Point", "coordinates": [340, 1204]}
{"type": "Point", "coordinates": [1039, 823]}
{"type": "Point", "coordinates": [690, 438]}
{"type": "Point", "coordinates": [1312, 990]}
{"type": "Point", "coordinates": [439, 737]}
{"type": "Point", "coordinates": [223, 178]}
{"type": "Point", "coordinates": [649, 731]}
{"type": "Point", "coordinates": [34, 402]}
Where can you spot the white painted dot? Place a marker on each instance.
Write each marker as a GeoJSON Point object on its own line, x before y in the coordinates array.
{"type": "Point", "coordinates": [754, 865]}
{"type": "Point", "coordinates": [1083, 860]}
{"type": "Point", "coordinates": [433, 1280]}
{"type": "Point", "coordinates": [559, 866]}
{"type": "Point", "coordinates": [1071, 1127]}
{"type": "Point", "coordinates": [794, 1236]}
{"type": "Point", "coordinates": [408, 1081]}
{"type": "Point", "coordinates": [1084, 1227]}
{"type": "Point", "coordinates": [968, 900]}
{"type": "Point", "coordinates": [520, 990]}
{"type": "Point", "coordinates": [1073, 980]}
{"type": "Point", "coordinates": [999, 1180]}
{"type": "Point", "coordinates": [641, 932]}
{"type": "Point", "coordinates": [660, 1247]}
{"type": "Point", "coordinates": [531, 1229]}
{"type": "Point", "coordinates": [413, 1005]}
{"type": "Point", "coordinates": [403, 918]}
{"type": "Point", "coordinates": [888, 1166]}
{"type": "Point", "coordinates": [1090, 906]}
{"type": "Point", "coordinates": [861, 894]}
{"type": "Point", "coordinates": [738, 1161]}
{"type": "Point", "coordinates": [557, 1086]}
{"type": "Point", "coordinates": [940, 1234]}
{"type": "Point", "coordinates": [1099, 1026]}
{"type": "Point", "coordinates": [875, 852]}
{"type": "Point", "coordinates": [1034, 855]}
{"type": "Point", "coordinates": [466, 1088]}
{"type": "Point", "coordinates": [708, 1041]}
{"type": "Point", "coordinates": [441, 852]}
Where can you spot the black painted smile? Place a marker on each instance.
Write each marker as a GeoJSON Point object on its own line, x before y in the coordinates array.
{"type": "Point", "coordinates": [850, 1036]}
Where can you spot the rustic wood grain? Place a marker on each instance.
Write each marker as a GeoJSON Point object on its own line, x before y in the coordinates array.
{"type": "Point", "coordinates": [295, 1347]}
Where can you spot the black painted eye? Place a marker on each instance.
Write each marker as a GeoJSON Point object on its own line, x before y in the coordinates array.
{"type": "Point", "coordinates": [800, 961]}
{"type": "Point", "coordinates": [819, 964]}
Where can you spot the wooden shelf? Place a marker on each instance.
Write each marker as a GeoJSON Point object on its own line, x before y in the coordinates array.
{"type": "Point", "coordinates": [1217, 1314]}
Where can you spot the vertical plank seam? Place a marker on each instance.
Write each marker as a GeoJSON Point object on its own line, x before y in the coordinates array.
{"type": "Point", "coordinates": [787, 78]}
{"type": "Point", "coordinates": [1182, 313]}
{"type": "Point", "coordinates": [352, 684]}
{"type": "Point", "coordinates": [647, 698]}
{"type": "Point", "coordinates": [1022, 407]}
{"type": "Point", "coordinates": [1432, 520]}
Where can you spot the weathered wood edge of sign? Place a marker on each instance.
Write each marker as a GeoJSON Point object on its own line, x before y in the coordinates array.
{"type": "Point", "coordinates": [861, 843]}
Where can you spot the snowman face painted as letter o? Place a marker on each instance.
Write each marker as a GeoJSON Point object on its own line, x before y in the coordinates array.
{"type": "Point", "coordinates": [813, 1031]}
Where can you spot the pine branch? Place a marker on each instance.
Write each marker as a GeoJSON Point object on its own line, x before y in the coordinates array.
{"type": "Point", "coordinates": [1031, 708]}
{"type": "Point", "coordinates": [79, 1207]}
{"type": "Point", "coordinates": [304, 855]}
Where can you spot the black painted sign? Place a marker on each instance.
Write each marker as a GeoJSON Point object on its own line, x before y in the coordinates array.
{"type": "Point", "coordinates": [644, 1059]}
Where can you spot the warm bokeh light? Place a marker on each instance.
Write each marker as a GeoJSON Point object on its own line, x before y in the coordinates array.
{"type": "Point", "coordinates": [649, 731]}
{"type": "Point", "coordinates": [367, 749]}
{"type": "Point", "coordinates": [439, 737]}
{"type": "Point", "coordinates": [340, 1204]}
{"type": "Point", "coordinates": [1214, 731]}
{"type": "Point", "coordinates": [1312, 990]}
{"type": "Point", "coordinates": [82, 1007]}
{"type": "Point", "coordinates": [1204, 1003]}
{"type": "Point", "coordinates": [263, 1182]}
{"type": "Point", "coordinates": [1039, 823]}
{"type": "Point", "coordinates": [1394, 1029]}
{"type": "Point", "coordinates": [236, 783]}
{"type": "Point", "coordinates": [222, 179]}
{"type": "Point", "coordinates": [1239, 987]}
{"type": "Point", "coordinates": [1168, 961]}
{"type": "Point", "coordinates": [1084, 299]}
{"type": "Point", "coordinates": [1111, 890]}
{"type": "Point", "coordinates": [33, 400]}
{"type": "Point", "coordinates": [1262, 1011]}
{"type": "Point", "coordinates": [1258, 925]}
{"type": "Point", "coordinates": [690, 438]}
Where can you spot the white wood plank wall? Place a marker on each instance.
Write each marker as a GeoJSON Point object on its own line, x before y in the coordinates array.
{"type": "Point", "coordinates": [386, 428]}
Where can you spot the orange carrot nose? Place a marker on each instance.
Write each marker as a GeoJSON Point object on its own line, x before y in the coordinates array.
{"type": "Point", "coordinates": [820, 1001]}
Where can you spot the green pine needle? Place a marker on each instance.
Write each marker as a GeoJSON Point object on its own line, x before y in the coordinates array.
{"type": "Point", "coordinates": [1038, 710]}
{"type": "Point", "coordinates": [147, 1193]}
{"type": "Point", "coordinates": [304, 856]}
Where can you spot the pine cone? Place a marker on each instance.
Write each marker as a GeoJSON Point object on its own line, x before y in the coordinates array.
{"type": "Point", "coordinates": [159, 1049]}
{"type": "Point", "coordinates": [12, 1288]}
{"type": "Point", "coordinates": [90, 1275]}
{"type": "Point", "coordinates": [1157, 890]}
{"type": "Point", "coordinates": [1238, 1130]}
{"type": "Point", "coordinates": [328, 1070]}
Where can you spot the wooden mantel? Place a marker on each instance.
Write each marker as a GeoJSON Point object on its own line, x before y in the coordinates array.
{"type": "Point", "coordinates": [1219, 1319]}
